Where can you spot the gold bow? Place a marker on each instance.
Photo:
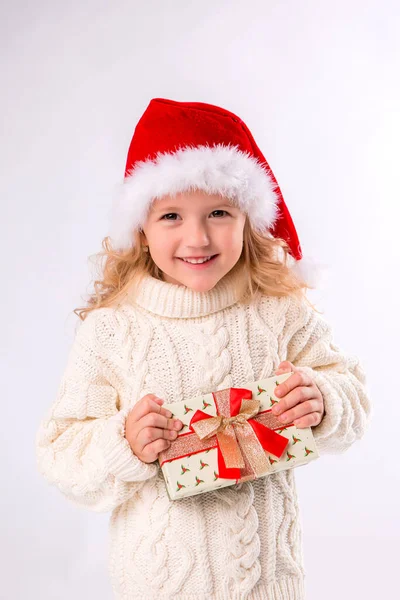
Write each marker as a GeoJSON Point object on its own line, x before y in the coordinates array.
{"type": "Point", "coordinates": [236, 438]}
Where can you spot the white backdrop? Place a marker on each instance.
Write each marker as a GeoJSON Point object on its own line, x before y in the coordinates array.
{"type": "Point", "coordinates": [317, 83]}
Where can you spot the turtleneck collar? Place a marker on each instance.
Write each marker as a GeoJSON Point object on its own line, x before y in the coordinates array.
{"type": "Point", "coordinates": [178, 301]}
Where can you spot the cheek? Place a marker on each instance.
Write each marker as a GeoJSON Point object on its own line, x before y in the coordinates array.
{"type": "Point", "coordinates": [160, 245]}
{"type": "Point", "coordinates": [233, 241]}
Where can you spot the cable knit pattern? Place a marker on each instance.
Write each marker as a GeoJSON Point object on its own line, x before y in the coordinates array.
{"type": "Point", "coordinates": [237, 543]}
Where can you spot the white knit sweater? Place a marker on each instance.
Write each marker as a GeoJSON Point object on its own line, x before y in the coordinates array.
{"type": "Point", "coordinates": [237, 543]}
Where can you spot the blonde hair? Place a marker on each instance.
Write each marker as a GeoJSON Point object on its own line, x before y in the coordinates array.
{"type": "Point", "coordinates": [263, 268]}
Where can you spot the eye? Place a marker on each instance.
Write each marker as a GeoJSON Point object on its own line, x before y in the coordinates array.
{"type": "Point", "coordinates": [220, 211]}
{"type": "Point", "coordinates": [174, 216]}
{"type": "Point", "coordinates": [165, 217]}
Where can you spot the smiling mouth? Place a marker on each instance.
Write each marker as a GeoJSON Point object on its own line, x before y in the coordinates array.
{"type": "Point", "coordinates": [198, 261]}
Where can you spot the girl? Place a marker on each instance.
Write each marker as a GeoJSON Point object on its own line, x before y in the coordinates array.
{"type": "Point", "coordinates": [199, 293]}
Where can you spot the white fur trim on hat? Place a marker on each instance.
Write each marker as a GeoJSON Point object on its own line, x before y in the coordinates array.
{"type": "Point", "coordinates": [218, 169]}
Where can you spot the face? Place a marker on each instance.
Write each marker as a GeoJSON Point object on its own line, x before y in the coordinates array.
{"type": "Point", "coordinates": [194, 238]}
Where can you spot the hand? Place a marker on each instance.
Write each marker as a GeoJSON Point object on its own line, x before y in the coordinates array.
{"type": "Point", "coordinates": [149, 428]}
{"type": "Point", "coordinates": [302, 402]}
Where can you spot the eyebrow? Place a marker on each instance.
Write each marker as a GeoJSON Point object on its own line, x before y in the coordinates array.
{"type": "Point", "coordinates": [170, 209]}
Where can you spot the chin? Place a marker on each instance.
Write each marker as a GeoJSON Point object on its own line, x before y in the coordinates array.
{"type": "Point", "coordinates": [196, 282]}
{"type": "Point", "coordinates": [201, 285]}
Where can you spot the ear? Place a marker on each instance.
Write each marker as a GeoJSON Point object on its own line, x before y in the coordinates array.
{"type": "Point", "coordinates": [143, 238]}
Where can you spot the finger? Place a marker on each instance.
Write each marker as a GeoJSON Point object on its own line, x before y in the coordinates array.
{"type": "Point", "coordinates": [301, 410]}
{"type": "Point", "coordinates": [299, 378]}
{"type": "Point", "coordinates": [158, 420]}
{"type": "Point", "coordinates": [153, 450]}
{"type": "Point", "coordinates": [166, 413]}
{"type": "Point", "coordinates": [150, 434]}
{"type": "Point", "coordinates": [296, 396]}
{"type": "Point", "coordinates": [310, 420]}
{"type": "Point", "coordinates": [149, 403]}
{"type": "Point", "coordinates": [163, 411]}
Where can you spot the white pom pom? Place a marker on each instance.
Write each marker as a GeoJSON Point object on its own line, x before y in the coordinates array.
{"type": "Point", "coordinates": [309, 271]}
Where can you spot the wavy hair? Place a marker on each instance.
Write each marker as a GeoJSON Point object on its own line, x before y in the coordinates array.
{"type": "Point", "coordinates": [263, 268]}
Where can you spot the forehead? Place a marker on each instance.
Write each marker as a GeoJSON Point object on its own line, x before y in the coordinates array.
{"type": "Point", "coordinates": [194, 199]}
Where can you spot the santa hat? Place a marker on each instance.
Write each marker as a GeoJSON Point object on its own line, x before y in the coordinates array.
{"type": "Point", "coordinates": [182, 146]}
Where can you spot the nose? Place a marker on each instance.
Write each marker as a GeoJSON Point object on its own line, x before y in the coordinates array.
{"type": "Point", "coordinates": [196, 235]}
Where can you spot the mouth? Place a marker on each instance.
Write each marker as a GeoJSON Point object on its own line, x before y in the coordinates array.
{"type": "Point", "coordinates": [200, 262]}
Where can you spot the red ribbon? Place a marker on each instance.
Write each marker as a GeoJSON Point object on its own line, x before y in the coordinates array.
{"type": "Point", "coordinates": [272, 442]}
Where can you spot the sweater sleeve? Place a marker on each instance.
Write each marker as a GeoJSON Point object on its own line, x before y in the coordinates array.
{"type": "Point", "coordinates": [81, 446]}
{"type": "Point", "coordinates": [338, 375]}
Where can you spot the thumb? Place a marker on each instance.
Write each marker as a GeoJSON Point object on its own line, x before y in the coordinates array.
{"type": "Point", "coordinates": [285, 367]}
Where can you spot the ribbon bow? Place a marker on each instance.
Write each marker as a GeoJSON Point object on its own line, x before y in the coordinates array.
{"type": "Point", "coordinates": [240, 437]}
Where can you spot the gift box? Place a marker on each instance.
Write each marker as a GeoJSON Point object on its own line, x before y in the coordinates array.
{"type": "Point", "coordinates": [231, 436]}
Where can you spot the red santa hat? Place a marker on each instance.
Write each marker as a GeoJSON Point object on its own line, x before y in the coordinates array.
{"type": "Point", "coordinates": [181, 146]}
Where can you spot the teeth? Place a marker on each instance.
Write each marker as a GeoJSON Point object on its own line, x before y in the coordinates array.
{"type": "Point", "coordinates": [196, 261]}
